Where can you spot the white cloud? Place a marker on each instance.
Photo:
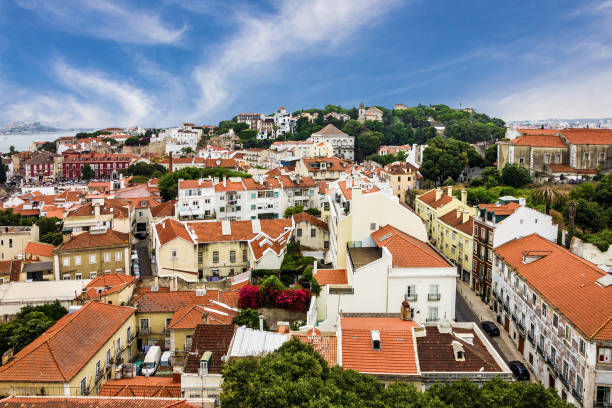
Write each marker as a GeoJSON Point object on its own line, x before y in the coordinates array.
{"type": "Point", "coordinates": [578, 95]}
{"type": "Point", "coordinates": [92, 100]}
{"type": "Point", "coordinates": [105, 19]}
{"type": "Point", "coordinates": [262, 42]}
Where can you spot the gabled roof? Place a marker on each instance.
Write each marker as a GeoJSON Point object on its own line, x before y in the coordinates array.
{"type": "Point", "coordinates": [170, 302]}
{"type": "Point", "coordinates": [190, 316]}
{"type": "Point", "coordinates": [348, 192]}
{"type": "Point", "coordinates": [429, 198]}
{"type": "Point", "coordinates": [454, 219]}
{"type": "Point", "coordinates": [139, 386]}
{"type": "Point", "coordinates": [539, 141]}
{"type": "Point", "coordinates": [215, 338]}
{"type": "Point", "coordinates": [311, 219]}
{"type": "Point", "coordinates": [62, 351]}
{"type": "Point", "coordinates": [397, 354]}
{"type": "Point", "coordinates": [565, 168]}
{"type": "Point", "coordinates": [406, 250]}
{"type": "Point", "coordinates": [169, 229]}
{"type": "Point", "coordinates": [212, 231]}
{"type": "Point", "coordinates": [183, 184]}
{"type": "Point", "coordinates": [89, 402]}
{"type": "Point", "coordinates": [588, 136]}
{"type": "Point", "coordinates": [117, 207]}
{"type": "Point", "coordinates": [548, 132]}
{"type": "Point", "coordinates": [40, 249]}
{"type": "Point", "coordinates": [11, 268]}
{"type": "Point", "coordinates": [330, 130]}
{"type": "Point", "coordinates": [333, 163]}
{"type": "Point", "coordinates": [108, 283]}
{"type": "Point", "coordinates": [165, 209]}
{"type": "Point", "coordinates": [567, 282]}
{"type": "Point", "coordinates": [331, 277]}
{"type": "Point", "coordinates": [88, 239]}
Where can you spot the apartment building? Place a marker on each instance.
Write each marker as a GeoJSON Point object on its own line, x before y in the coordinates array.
{"type": "Point", "coordinates": [453, 236]}
{"type": "Point", "coordinates": [557, 309]}
{"type": "Point", "coordinates": [496, 224]}
{"type": "Point", "coordinates": [196, 199]}
{"type": "Point", "coordinates": [103, 165]}
{"type": "Point", "coordinates": [254, 120]}
{"type": "Point", "coordinates": [42, 166]}
{"type": "Point", "coordinates": [75, 356]}
{"type": "Point", "coordinates": [310, 232]}
{"type": "Point", "coordinates": [402, 176]}
{"type": "Point", "coordinates": [91, 254]}
{"type": "Point", "coordinates": [100, 213]}
{"type": "Point", "coordinates": [435, 203]}
{"type": "Point", "coordinates": [14, 240]}
{"type": "Point", "coordinates": [342, 144]}
{"type": "Point", "coordinates": [321, 169]}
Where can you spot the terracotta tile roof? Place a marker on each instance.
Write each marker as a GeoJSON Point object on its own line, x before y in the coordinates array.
{"type": "Point", "coordinates": [211, 231]}
{"type": "Point", "coordinates": [311, 219]}
{"type": "Point", "coordinates": [11, 269]}
{"type": "Point", "coordinates": [539, 141]}
{"type": "Point", "coordinates": [88, 239]}
{"type": "Point", "coordinates": [108, 283]}
{"type": "Point", "coordinates": [566, 281]}
{"type": "Point", "coordinates": [240, 284]}
{"type": "Point", "coordinates": [330, 130]}
{"type": "Point", "coordinates": [331, 277]}
{"type": "Point", "coordinates": [429, 198]}
{"type": "Point", "coordinates": [548, 132]}
{"type": "Point", "coordinates": [89, 402]}
{"type": "Point", "coordinates": [61, 352]}
{"type": "Point", "coordinates": [230, 298]}
{"type": "Point", "coordinates": [322, 187]}
{"type": "Point", "coordinates": [400, 168]}
{"type": "Point", "coordinates": [165, 209]}
{"type": "Point", "coordinates": [261, 244]}
{"type": "Point", "coordinates": [333, 163]}
{"type": "Point", "coordinates": [396, 355]}
{"type": "Point", "coordinates": [118, 208]}
{"type": "Point", "coordinates": [436, 353]}
{"type": "Point", "coordinates": [297, 181]}
{"type": "Point", "coordinates": [229, 185]}
{"type": "Point", "coordinates": [169, 229]}
{"type": "Point", "coordinates": [157, 302]}
{"type": "Point", "coordinates": [40, 249]}
{"type": "Point", "coordinates": [326, 346]}
{"type": "Point", "coordinates": [348, 192]}
{"type": "Point", "coordinates": [564, 168]}
{"type": "Point", "coordinates": [215, 338]}
{"type": "Point", "coordinates": [588, 136]}
{"type": "Point", "coordinates": [26, 212]}
{"type": "Point", "coordinates": [268, 183]}
{"type": "Point", "coordinates": [500, 209]}
{"type": "Point", "coordinates": [190, 316]}
{"type": "Point", "coordinates": [454, 219]}
{"type": "Point", "coordinates": [150, 387]}
{"type": "Point", "coordinates": [182, 184]}
{"type": "Point", "coordinates": [407, 251]}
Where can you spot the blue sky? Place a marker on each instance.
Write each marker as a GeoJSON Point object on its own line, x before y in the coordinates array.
{"type": "Point", "coordinates": [98, 63]}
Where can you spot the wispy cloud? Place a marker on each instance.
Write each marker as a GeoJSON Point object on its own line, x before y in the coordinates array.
{"type": "Point", "coordinates": [91, 99]}
{"type": "Point", "coordinates": [265, 41]}
{"type": "Point", "coordinates": [106, 19]}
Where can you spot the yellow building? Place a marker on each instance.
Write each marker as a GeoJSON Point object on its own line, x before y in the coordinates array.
{"type": "Point", "coordinates": [13, 240]}
{"type": "Point", "coordinates": [453, 236]}
{"type": "Point", "coordinates": [438, 202]}
{"type": "Point", "coordinates": [111, 288]}
{"type": "Point", "coordinates": [91, 254]}
{"type": "Point", "coordinates": [401, 176]}
{"type": "Point", "coordinates": [75, 356]}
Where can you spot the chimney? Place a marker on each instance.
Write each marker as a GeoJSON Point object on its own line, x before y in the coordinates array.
{"type": "Point", "coordinates": [438, 193]}
{"type": "Point", "coordinates": [261, 327]}
{"type": "Point", "coordinates": [226, 227]}
{"type": "Point", "coordinates": [170, 164]}
{"type": "Point", "coordinates": [466, 216]}
{"type": "Point", "coordinates": [156, 281]}
{"type": "Point", "coordinates": [449, 190]}
{"type": "Point", "coordinates": [405, 313]}
{"type": "Point", "coordinates": [464, 197]}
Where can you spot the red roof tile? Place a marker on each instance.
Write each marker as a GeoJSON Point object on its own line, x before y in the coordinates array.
{"type": "Point", "coordinates": [326, 346]}
{"type": "Point", "coordinates": [429, 198]}
{"type": "Point", "coordinates": [153, 302]}
{"type": "Point", "coordinates": [91, 240]}
{"type": "Point", "coordinates": [588, 136]}
{"type": "Point", "coordinates": [454, 219]}
{"type": "Point", "coordinates": [566, 281]}
{"type": "Point", "coordinates": [11, 269]}
{"type": "Point", "coordinates": [165, 209]}
{"type": "Point", "coordinates": [331, 277]}
{"type": "Point", "coordinates": [215, 338]}
{"type": "Point", "coordinates": [108, 283]}
{"type": "Point", "coordinates": [182, 184]}
{"type": "Point", "coordinates": [169, 229]}
{"type": "Point", "coordinates": [564, 168]}
{"type": "Point", "coordinates": [539, 141]}
{"type": "Point", "coordinates": [90, 402]}
{"type": "Point", "coordinates": [150, 387]}
{"type": "Point", "coordinates": [61, 352]}
{"type": "Point", "coordinates": [190, 316]}
{"type": "Point", "coordinates": [40, 249]}
{"type": "Point", "coordinates": [311, 219]}
{"type": "Point", "coordinates": [407, 251]}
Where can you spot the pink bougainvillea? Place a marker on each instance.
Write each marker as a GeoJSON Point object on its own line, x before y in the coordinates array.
{"type": "Point", "coordinates": [296, 300]}
{"type": "Point", "coordinates": [249, 297]}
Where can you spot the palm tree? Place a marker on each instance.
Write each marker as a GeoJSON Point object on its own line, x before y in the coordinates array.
{"type": "Point", "coordinates": [546, 195]}
{"type": "Point", "coordinates": [571, 209]}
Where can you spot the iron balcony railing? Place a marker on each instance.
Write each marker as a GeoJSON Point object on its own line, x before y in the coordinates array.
{"type": "Point", "coordinates": [433, 296]}
{"type": "Point", "coordinates": [412, 296]}
{"type": "Point", "coordinates": [145, 330]}
{"type": "Point", "coordinates": [530, 338]}
{"type": "Point", "coordinates": [521, 327]}
{"type": "Point", "coordinates": [540, 351]}
{"type": "Point", "coordinates": [431, 319]}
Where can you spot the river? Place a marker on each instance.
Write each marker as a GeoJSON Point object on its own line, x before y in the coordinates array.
{"type": "Point", "coordinates": [23, 141]}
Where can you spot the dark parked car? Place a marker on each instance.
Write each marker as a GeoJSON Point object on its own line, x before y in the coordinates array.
{"type": "Point", "coordinates": [490, 328]}
{"type": "Point", "coordinates": [519, 370]}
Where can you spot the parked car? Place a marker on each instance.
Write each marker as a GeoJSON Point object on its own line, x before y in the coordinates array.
{"type": "Point", "coordinates": [490, 328]}
{"type": "Point", "coordinates": [520, 372]}
{"type": "Point", "coordinates": [151, 361]}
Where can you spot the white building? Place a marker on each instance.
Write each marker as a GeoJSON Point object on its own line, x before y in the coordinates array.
{"type": "Point", "coordinates": [384, 269]}
{"type": "Point", "coordinates": [196, 199]}
{"type": "Point", "coordinates": [343, 144]}
{"type": "Point", "coordinates": [557, 308]}
{"type": "Point", "coordinates": [284, 121]}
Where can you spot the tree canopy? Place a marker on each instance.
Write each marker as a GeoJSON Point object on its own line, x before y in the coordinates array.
{"type": "Point", "coordinates": [446, 158]}
{"type": "Point", "coordinates": [296, 376]}
{"type": "Point", "coordinates": [515, 176]}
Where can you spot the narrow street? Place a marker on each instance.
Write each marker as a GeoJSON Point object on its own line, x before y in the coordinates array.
{"type": "Point", "coordinates": [144, 257]}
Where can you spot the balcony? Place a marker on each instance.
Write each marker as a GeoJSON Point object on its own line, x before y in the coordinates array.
{"type": "Point", "coordinates": [411, 297]}
{"type": "Point", "coordinates": [432, 319]}
{"type": "Point", "coordinates": [99, 376]}
{"type": "Point", "coordinates": [530, 338]}
{"type": "Point", "coordinates": [507, 308]}
{"type": "Point", "coordinates": [144, 331]}
{"type": "Point", "coordinates": [577, 394]}
{"type": "Point", "coordinates": [521, 327]}
{"type": "Point", "coordinates": [540, 351]}
{"type": "Point", "coordinates": [551, 363]}
{"type": "Point", "coordinates": [514, 318]}
{"type": "Point", "coordinates": [433, 296]}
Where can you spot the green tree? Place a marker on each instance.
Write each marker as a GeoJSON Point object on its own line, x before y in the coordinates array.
{"type": "Point", "coordinates": [145, 169]}
{"type": "Point", "coordinates": [87, 172]}
{"type": "Point", "coordinates": [546, 195]}
{"type": "Point", "coordinates": [491, 155]}
{"type": "Point", "coordinates": [53, 238]}
{"type": "Point", "coordinates": [12, 149]}
{"type": "Point", "coordinates": [46, 225]}
{"type": "Point", "coordinates": [367, 143]}
{"type": "Point", "coordinates": [49, 146]}
{"type": "Point", "coordinates": [291, 211]}
{"type": "Point", "coordinates": [603, 191]}
{"type": "Point", "coordinates": [3, 169]}
{"type": "Point", "coordinates": [491, 176]}
{"type": "Point", "coordinates": [249, 318]}
{"type": "Point", "coordinates": [515, 175]}
{"type": "Point", "coordinates": [444, 158]}
{"type": "Point", "coordinates": [186, 150]}
{"type": "Point", "coordinates": [314, 212]}
{"type": "Point", "coordinates": [590, 216]}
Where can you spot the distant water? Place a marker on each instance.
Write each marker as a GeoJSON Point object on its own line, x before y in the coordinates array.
{"type": "Point", "coordinates": [23, 141]}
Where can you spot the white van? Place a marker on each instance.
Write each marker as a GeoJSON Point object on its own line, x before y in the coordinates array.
{"type": "Point", "coordinates": [151, 361]}
{"type": "Point", "coordinates": [165, 359]}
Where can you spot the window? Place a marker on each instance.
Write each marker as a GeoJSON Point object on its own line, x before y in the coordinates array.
{"type": "Point", "coordinates": [533, 299]}
{"type": "Point", "coordinates": [117, 256]}
{"type": "Point", "coordinates": [579, 385]}
{"type": "Point", "coordinates": [107, 257]}
{"type": "Point", "coordinates": [568, 332]}
{"type": "Point", "coordinates": [544, 309]}
{"type": "Point", "coordinates": [77, 260]}
{"type": "Point", "coordinates": [587, 156]}
{"type": "Point", "coordinates": [582, 347]}
{"type": "Point", "coordinates": [84, 386]}
{"type": "Point", "coordinates": [66, 261]}
{"type": "Point", "coordinates": [521, 160]}
{"type": "Point", "coordinates": [557, 158]}
{"type": "Point", "coordinates": [232, 256]}
{"type": "Point", "coordinates": [604, 355]}
{"type": "Point", "coordinates": [10, 242]}
{"type": "Point", "coordinates": [118, 348]}
{"type": "Point", "coordinates": [188, 340]}
{"type": "Point", "coordinates": [411, 293]}
{"type": "Point", "coordinates": [78, 276]}
{"type": "Point", "coordinates": [325, 244]}
{"type": "Point", "coordinates": [167, 322]}
{"type": "Point", "coordinates": [200, 257]}
{"type": "Point", "coordinates": [432, 314]}
{"type": "Point", "coordinates": [313, 232]}
{"type": "Point", "coordinates": [244, 255]}
{"type": "Point", "coordinates": [98, 371]}
{"type": "Point", "coordinates": [555, 320]}
{"type": "Point", "coordinates": [602, 156]}
{"type": "Point", "coordinates": [602, 396]}
{"type": "Point", "coordinates": [299, 232]}
{"type": "Point", "coordinates": [174, 254]}
{"type": "Point", "coordinates": [547, 158]}
{"type": "Point", "coordinates": [372, 226]}
{"type": "Point", "coordinates": [375, 337]}
{"type": "Point", "coordinates": [553, 354]}
{"type": "Point", "coordinates": [203, 367]}
{"type": "Point", "coordinates": [565, 370]}
{"type": "Point", "coordinates": [66, 276]}
{"type": "Point", "coordinates": [215, 256]}
{"type": "Point", "coordinates": [144, 325]}
{"type": "Point", "coordinates": [92, 259]}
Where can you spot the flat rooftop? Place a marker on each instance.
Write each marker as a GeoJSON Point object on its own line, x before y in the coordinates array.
{"type": "Point", "coordinates": [362, 256]}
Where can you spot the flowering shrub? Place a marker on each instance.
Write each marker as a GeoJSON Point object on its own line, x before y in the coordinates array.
{"type": "Point", "coordinates": [296, 300]}
{"type": "Point", "coordinates": [249, 297]}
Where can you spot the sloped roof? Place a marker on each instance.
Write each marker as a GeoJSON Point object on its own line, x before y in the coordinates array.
{"type": "Point", "coordinates": [62, 351]}
{"type": "Point", "coordinates": [89, 402]}
{"type": "Point", "coordinates": [12, 268]}
{"type": "Point", "coordinates": [549, 132]}
{"type": "Point", "coordinates": [397, 354]}
{"type": "Point", "coordinates": [567, 282]}
{"type": "Point", "coordinates": [588, 136]}
{"type": "Point", "coordinates": [169, 229]}
{"type": "Point", "coordinates": [39, 248]}
{"type": "Point", "coordinates": [406, 250]}
{"type": "Point", "coordinates": [108, 283]}
{"type": "Point", "coordinates": [429, 198]}
{"type": "Point", "coordinates": [165, 209]}
{"type": "Point", "coordinates": [182, 184]}
{"type": "Point", "coordinates": [92, 240]}
{"type": "Point", "coordinates": [539, 141]}
{"type": "Point", "coordinates": [117, 207]}
{"type": "Point", "coordinates": [212, 231]}
{"type": "Point", "coordinates": [165, 301]}
{"type": "Point", "coordinates": [251, 342]}
{"type": "Point", "coordinates": [215, 338]}
{"type": "Point", "coordinates": [190, 316]}
{"type": "Point", "coordinates": [454, 219]}
{"type": "Point", "coordinates": [326, 346]}
{"type": "Point", "coordinates": [330, 130]}
{"type": "Point", "coordinates": [311, 219]}
{"type": "Point", "coordinates": [331, 277]}
{"type": "Point", "coordinates": [139, 386]}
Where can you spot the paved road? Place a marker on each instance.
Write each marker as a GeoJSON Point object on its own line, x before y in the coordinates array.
{"type": "Point", "coordinates": [144, 257]}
